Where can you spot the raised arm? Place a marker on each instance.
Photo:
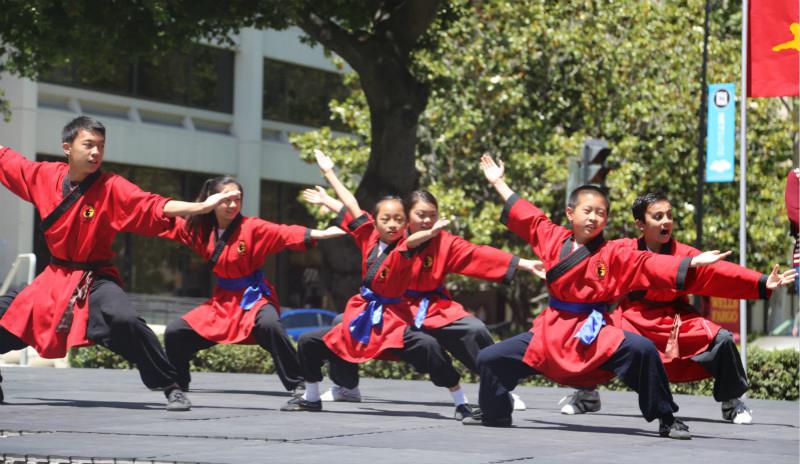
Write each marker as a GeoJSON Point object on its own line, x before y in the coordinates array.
{"type": "Point", "coordinates": [186, 208]}
{"type": "Point", "coordinates": [318, 196]}
{"type": "Point", "coordinates": [326, 166]}
{"type": "Point", "coordinates": [494, 174]}
{"type": "Point", "coordinates": [330, 232]}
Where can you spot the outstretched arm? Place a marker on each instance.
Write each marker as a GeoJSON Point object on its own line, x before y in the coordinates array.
{"type": "Point", "coordinates": [326, 166]}
{"type": "Point", "coordinates": [318, 196]}
{"type": "Point", "coordinates": [776, 279]}
{"type": "Point", "coordinates": [534, 266]}
{"type": "Point", "coordinates": [708, 257]}
{"type": "Point", "coordinates": [185, 208]}
{"type": "Point", "coordinates": [330, 232]}
{"type": "Point", "coordinates": [418, 238]}
{"type": "Point", "coordinates": [494, 174]}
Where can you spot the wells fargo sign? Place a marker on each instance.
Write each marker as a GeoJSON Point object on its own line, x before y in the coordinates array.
{"type": "Point", "coordinates": [725, 312]}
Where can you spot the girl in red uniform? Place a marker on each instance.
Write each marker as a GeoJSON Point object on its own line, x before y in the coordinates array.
{"type": "Point", "coordinates": [78, 299]}
{"type": "Point", "coordinates": [691, 346]}
{"type": "Point", "coordinates": [244, 307]}
{"type": "Point", "coordinates": [570, 342]}
{"type": "Point", "coordinates": [376, 322]}
{"type": "Point", "coordinates": [436, 313]}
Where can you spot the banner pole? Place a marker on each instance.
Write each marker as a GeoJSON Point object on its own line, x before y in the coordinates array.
{"type": "Point", "coordinates": [743, 182]}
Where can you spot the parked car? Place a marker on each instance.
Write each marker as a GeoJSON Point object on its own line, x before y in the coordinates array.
{"type": "Point", "coordinates": [299, 321]}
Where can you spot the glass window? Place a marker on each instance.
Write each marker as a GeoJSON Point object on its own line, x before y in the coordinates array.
{"type": "Point", "coordinates": [200, 77]}
{"type": "Point", "coordinates": [300, 95]}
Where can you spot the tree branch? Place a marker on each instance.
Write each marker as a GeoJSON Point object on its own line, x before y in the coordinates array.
{"type": "Point", "coordinates": [345, 44]}
{"type": "Point", "coordinates": [404, 21]}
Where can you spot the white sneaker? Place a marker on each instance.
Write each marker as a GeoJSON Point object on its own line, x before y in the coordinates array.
{"type": "Point", "coordinates": [337, 393]}
{"type": "Point", "coordinates": [736, 412]}
{"type": "Point", "coordinates": [580, 401]}
{"type": "Point", "coordinates": [519, 405]}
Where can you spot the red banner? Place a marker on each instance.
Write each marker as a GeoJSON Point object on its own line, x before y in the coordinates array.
{"type": "Point", "coordinates": [725, 312]}
{"type": "Point", "coordinates": [773, 51]}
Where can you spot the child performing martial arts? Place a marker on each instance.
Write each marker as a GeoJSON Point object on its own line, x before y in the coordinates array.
{"type": "Point", "coordinates": [566, 343]}
{"type": "Point", "coordinates": [691, 346]}
{"type": "Point", "coordinates": [377, 321]}
{"type": "Point", "coordinates": [78, 299]}
{"type": "Point", "coordinates": [244, 307]}
{"type": "Point", "coordinates": [437, 314]}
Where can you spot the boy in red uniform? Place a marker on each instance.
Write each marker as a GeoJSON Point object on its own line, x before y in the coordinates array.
{"type": "Point", "coordinates": [570, 342]}
{"type": "Point", "coordinates": [691, 346]}
{"type": "Point", "coordinates": [78, 299]}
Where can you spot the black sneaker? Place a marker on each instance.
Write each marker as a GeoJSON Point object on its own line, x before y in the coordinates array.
{"type": "Point", "coordinates": [677, 430]}
{"type": "Point", "coordinates": [299, 390]}
{"type": "Point", "coordinates": [300, 404]}
{"type": "Point", "coordinates": [466, 410]}
{"type": "Point", "coordinates": [177, 401]}
{"type": "Point", "coordinates": [486, 422]}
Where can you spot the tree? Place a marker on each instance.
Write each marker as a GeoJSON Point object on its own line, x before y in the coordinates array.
{"type": "Point", "coordinates": [375, 37]}
{"type": "Point", "coordinates": [530, 81]}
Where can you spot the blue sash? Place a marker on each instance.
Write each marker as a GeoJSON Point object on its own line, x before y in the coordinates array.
{"type": "Point", "coordinates": [253, 285]}
{"type": "Point", "coordinates": [361, 326]}
{"type": "Point", "coordinates": [422, 313]}
{"type": "Point", "coordinates": [592, 325]}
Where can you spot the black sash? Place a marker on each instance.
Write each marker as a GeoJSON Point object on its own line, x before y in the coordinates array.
{"type": "Point", "coordinates": [375, 260]}
{"type": "Point", "coordinates": [219, 245]}
{"type": "Point", "coordinates": [70, 197]}
{"type": "Point", "coordinates": [568, 260]}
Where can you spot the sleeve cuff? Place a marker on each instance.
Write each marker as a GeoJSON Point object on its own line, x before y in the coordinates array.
{"type": "Point", "coordinates": [683, 270]}
{"type": "Point", "coordinates": [308, 242]}
{"type": "Point", "coordinates": [512, 270]}
{"type": "Point", "coordinates": [763, 293]}
{"type": "Point", "coordinates": [338, 221]}
{"type": "Point", "coordinates": [507, 208]}
{"type": "Point", "coordinates": [357, 222]}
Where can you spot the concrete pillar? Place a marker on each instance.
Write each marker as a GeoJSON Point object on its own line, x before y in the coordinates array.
{"type": "Point", "coordinates": [16, 227]}
{"type": "Point", "coordinates": [247, 116]}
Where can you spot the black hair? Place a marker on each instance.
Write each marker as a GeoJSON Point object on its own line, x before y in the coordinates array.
{"type": "Point", "coordinates": [641, 203]}
{"type": "Point", "coordinates": [419, 196]}
{"type": "Point", "coordinates": [573, 196]}
{"type": "Point", "coordinates": [377, 206]}
{"type": "Point", "coordinates": [70, 131]}
{"type": "Point", "coordinates": [203, 224]}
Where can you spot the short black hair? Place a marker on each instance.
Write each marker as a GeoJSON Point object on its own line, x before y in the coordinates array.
{"type": "Point", "coordinates": [573, 196]}
{"type": "Point", "coordinates": [70, 131]}
{"type": "Point", "coordinates": [388, 198]}
{"type": "Point", "coordinates": [420, 196]}
{"type": "Point", "coordinates": [641, 203]}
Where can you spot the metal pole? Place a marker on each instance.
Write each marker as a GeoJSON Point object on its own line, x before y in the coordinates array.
{"type": "Point", "coordinates": [701, 137]}
{"type": "Point", "coordinates": [743, 182]}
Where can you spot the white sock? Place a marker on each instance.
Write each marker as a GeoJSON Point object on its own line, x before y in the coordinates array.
{"type": "Point", "coordinates": [312, 392]}
{"type": "Point", "coordinates": [458, 396]}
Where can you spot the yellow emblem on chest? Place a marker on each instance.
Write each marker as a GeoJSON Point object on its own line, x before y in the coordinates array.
{"type": "Point", "coordinates": [601, 270]}
{"type": "Point", "coordinates": [383, 274]}
{"type": "Point", "coordinates": [87, 213]}
{"type": "Point", "coordinates": [241, 248]}
{"type": "Point", "coordinates": [427, 263]}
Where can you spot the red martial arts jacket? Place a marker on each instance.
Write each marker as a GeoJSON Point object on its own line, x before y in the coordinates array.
{"type": "Point", "coordinates": [610, 272]}
{"type": "Point", "coordinates": [222, 319]}
{"type": "Point", "coordinates": [450, 254]}
{"type": "Point", "coordinates": [83, 234]}
{"type": "Point", "coordinates": [651, 313]}
{"type": "Point", "coordinates": [386, 274]}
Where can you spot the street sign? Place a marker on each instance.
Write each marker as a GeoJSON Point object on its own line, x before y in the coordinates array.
{"type": "Point", "coordinates": [721, 135]}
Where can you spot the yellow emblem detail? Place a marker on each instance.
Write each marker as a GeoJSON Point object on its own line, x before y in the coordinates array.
{"type": "Point", "coordinates": [428, 262]}
{"type": "Point", "coordinates": [601, 270]}
{"type": "Point", "coordinates": [793, 44]}
{"type": "Point", "coordinates": [382, 275]}
{"type": "Point", "coordinates": [87, 212]}
{"type": "Point", "coordinates": [242, 248]}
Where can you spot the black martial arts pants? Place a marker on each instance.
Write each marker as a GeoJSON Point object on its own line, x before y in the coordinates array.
{"type": "Point", "coordinates": [636, 363]}
{"type": "Point", "coordinates": [420, 350]}
{"type": "Point", "coordinates": [182, 343]}
{"type": "Point", "coordinates": [723, 362]}
{"type": "Point", "coordinates": [464, 339]}
{"type": "Point", "coordinates": [114, 324]}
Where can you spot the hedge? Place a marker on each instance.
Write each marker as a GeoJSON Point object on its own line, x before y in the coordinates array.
{"type": "Point", "coordinates": [773, 374]}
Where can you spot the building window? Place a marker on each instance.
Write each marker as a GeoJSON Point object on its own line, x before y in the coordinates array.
{"type": "Point", "coordinates": [300, 95]}
{"type": "Point", "coordinates": [201, 77]}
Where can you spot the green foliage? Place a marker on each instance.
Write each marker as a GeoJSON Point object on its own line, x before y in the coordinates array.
{"type": "Point", "coordinates": [773, 374]}
{"type": "Point", "coordinates": [529, 81]}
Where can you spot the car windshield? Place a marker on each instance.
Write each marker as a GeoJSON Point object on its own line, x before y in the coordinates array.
{"type": "Point", "coordinates": [301, 320]}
